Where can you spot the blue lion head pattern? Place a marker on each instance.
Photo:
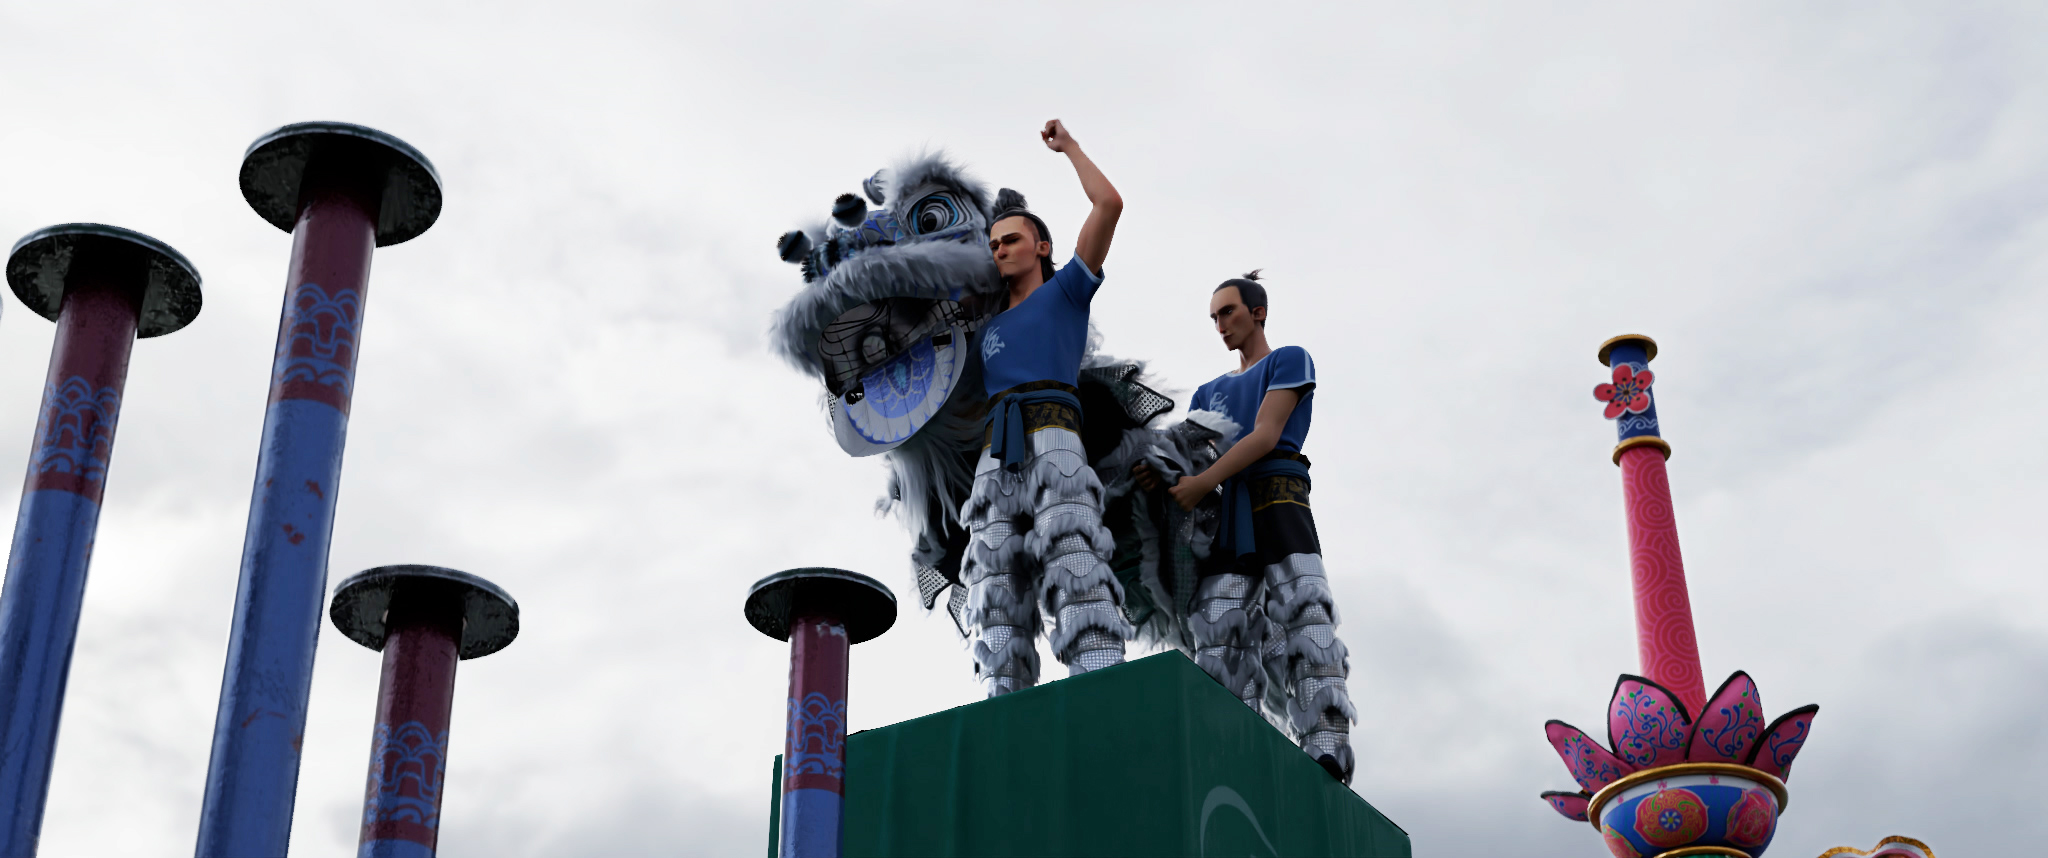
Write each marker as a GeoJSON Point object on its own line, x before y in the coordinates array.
{"type": "Point", "coordinates": [883, 288]}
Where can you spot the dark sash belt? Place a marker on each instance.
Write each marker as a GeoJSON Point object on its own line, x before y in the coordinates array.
{"type": "Point", "coordinates": [1236, 531]}
{"type": "Point", "coordinates": [1006, 419]}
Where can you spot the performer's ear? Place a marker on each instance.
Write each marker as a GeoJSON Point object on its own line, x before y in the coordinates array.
{"type": "Point", "coordinates": [1044, 248]}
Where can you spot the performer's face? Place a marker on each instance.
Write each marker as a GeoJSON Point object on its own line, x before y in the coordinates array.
{"type": "Point", "coordinates": [1234, 321]}
{"type": "Point", "coordinates": [1015, 243]}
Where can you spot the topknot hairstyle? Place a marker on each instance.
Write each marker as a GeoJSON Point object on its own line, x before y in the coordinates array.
{"type": "Point", "coordinates": [1009, 203]}
{"type": "Point", "coordinates": [1249, 290]}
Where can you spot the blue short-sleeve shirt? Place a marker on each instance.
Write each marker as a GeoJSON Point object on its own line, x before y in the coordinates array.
{"type": "Point", "coordinates": [1238, 395]}
{"type": "Point", "coordinates": [1041, 339]}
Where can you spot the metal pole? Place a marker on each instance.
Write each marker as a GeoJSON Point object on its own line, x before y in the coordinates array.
{"type": "Point", "coordinates": [340, 190]}
{"type": "Point", "coordinates": [1665, 643]}
{"type": "Point", "coordinates": [104, 286]}
{"type": "Point", "coordinates": [822, 613]}
{"type": "Point", "coordinates": [424, 619]}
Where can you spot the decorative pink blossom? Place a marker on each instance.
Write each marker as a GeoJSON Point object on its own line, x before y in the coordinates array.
{"type": "Point", "coordinates": [1630, 391]}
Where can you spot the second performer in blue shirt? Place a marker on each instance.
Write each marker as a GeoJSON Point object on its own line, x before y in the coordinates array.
{"type": "Point", "coordinates": [1270, 616]}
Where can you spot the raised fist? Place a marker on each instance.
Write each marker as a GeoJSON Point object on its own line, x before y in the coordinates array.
{"type": "Point", "coordinates": [1056, 137]}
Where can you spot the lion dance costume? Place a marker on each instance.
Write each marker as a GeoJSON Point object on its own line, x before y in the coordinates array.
{"type": "Point", "coordinates": [1022, 506]}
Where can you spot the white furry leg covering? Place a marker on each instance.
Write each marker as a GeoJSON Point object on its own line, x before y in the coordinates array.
{"type": "Point", "coordinates": [1001, 616]}
{"type": "Point", "coordinates": [1078, 589]}
{"type": "Point", "coordinates": [1228, 626]}
{"type": "Point", "coordinates": [1313, 662]}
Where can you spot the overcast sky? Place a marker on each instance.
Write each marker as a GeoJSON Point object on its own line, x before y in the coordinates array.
{"type": "Point", "coordinates": [1833, 218]}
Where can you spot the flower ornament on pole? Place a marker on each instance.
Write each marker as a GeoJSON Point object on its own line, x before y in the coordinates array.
{"type": "Point", "coordinates": [1629, 393]}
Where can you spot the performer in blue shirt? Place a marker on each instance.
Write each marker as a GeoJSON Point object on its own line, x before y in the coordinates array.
{"type": "Point", "coordinates": [1036, 545]}
{"type": "Point", "coordinates": [1268, 528]}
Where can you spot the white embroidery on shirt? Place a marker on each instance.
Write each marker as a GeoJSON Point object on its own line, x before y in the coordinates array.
{"type": "Point", "coordinates": [991, 344]}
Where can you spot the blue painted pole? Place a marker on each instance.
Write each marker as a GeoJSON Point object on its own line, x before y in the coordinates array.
{"type": "Point", "coordinates": [104, 286]}
{"type": "Point", "coordinates": [341, 190]}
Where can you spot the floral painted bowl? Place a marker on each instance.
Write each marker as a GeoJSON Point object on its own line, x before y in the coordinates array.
{"type": "Point", "coordinates": [1700, 808]}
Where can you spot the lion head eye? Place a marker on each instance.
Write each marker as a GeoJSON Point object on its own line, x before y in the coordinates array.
{"type": "Point", "coordinates": [873, 347]}
{"type": "Point", "coordinates": [934, 213]}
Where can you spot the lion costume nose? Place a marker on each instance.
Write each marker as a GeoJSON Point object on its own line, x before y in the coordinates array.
{"type": "Point", "coordinates": [859, 230]}
{"type": "Point", "coordinates": [793, 245]}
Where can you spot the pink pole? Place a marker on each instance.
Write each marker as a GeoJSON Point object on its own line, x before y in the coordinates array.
{"type": "Point", "coordinates": [1665, 643]}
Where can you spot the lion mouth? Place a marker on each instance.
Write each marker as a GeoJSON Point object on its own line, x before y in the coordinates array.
{"type": "Point", "coordinates": [886, 334]}
{"type": "Point", "coordinates": [875, 341]}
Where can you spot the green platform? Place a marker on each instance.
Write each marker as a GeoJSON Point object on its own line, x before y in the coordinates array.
{"type": "Point", "coordinates": [1143, 759]}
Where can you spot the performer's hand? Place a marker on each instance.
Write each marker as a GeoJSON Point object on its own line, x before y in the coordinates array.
{"type": "Point", "coordinates": [1146, 477]}
{"type": "Point", "coordinates": [1056, 137]}
{"type": "Point", "coordinates": [1190, 491]}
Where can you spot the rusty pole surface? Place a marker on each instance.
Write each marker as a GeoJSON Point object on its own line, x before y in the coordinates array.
{"type": "Point", "coordinates": [424, 618]}
{"type": "Point", "coordinates": [341, 190]}
{"type": "Point", "coordinates": [104, 286]}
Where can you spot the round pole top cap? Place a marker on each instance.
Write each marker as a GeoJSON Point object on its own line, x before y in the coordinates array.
{"type": "Point", "coordinates": [866, 607]}
{"type": "Point", "coordinates": [490, 619]}
{"type": "Point", "coordinates": [275, 166]}
{"type": "Point", "coordinates": [1649, 346]}
{"type": "Point", "coordinates": [39, 267]}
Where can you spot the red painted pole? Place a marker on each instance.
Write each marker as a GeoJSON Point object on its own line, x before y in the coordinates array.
{"type": "Point", "coordinates": [424, 618]}
{"type": "Point", "coordinates": [822, 613]}
{"type": "Point", "coordinates": [409, 752]}
{"type": "Point", "coordinates": [814, 747]}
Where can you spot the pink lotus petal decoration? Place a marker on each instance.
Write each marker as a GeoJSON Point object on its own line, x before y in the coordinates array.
{"type": "Point", "coordinates": [1592, 766]}
{"type": "Point", "coordinates": [1570, 805]}
{"type": "Point", "coordinates": [1647, 726]}
{"type": "Point", "coordinates": [1630, 391]}
{"type": "Point", "coordinates": [1782, 741]}
{"type": "Point", "coordinates": [1729, 724]}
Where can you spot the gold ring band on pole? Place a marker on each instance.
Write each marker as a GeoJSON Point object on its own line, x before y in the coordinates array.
{"type": "Point", "coordinates": [1649, 346]}
{"type": "Point", "coordinates": [1642, 441]}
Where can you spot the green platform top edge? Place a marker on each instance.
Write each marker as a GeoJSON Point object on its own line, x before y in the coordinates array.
{"type": "Point", "coordinates": [945, 785]}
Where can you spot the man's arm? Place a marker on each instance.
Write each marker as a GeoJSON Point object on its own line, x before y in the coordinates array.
{"type": "Point", "coordinates": [1265, 435]}
{"type": "Point", "coordinates": [1093, 243]}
